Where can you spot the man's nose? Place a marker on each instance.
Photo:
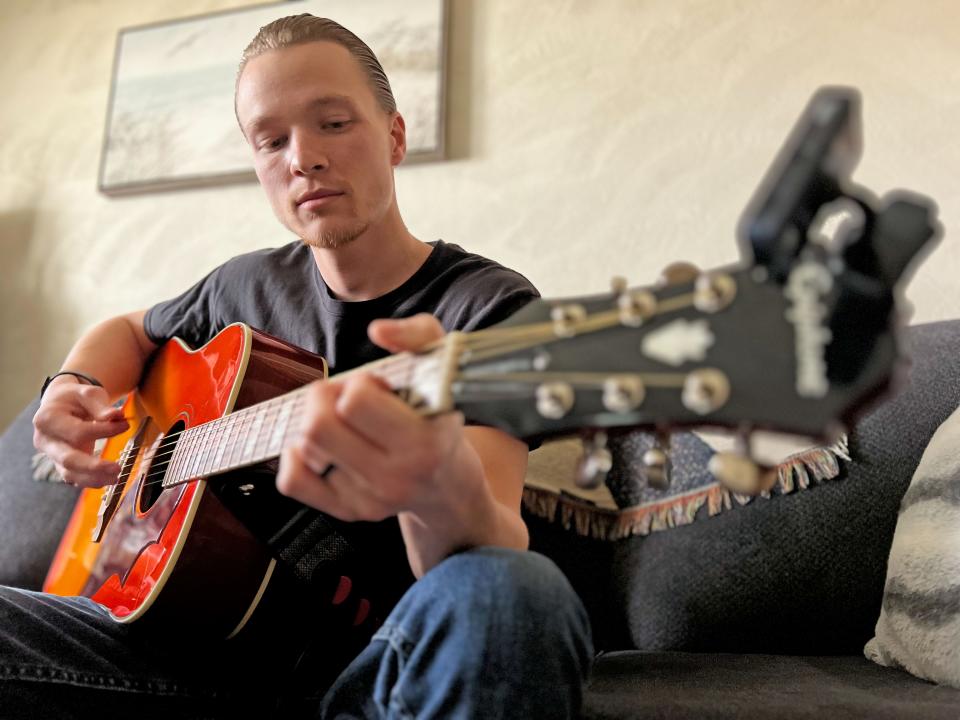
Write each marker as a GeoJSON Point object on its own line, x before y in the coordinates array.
{"type": "Point", "coordinates": [307, 155]}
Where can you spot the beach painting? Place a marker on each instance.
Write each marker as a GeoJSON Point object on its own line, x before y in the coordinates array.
{"type": "Point", "coordinates": [170, 121]}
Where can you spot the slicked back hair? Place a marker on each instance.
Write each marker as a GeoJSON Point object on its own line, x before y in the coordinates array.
{"type": "Point", "coordinates": [304, 28]}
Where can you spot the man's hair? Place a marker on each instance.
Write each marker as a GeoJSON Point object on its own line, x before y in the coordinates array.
{"type": "Point", "coordinates": [299, 29]}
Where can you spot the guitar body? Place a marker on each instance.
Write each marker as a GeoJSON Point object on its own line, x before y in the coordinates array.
{"type": "Point", "coordinates": [164, 554]}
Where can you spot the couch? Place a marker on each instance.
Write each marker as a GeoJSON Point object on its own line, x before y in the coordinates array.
{"type": "Point", "coordinates": [759, 612]}
{"type": "Point", "coordinates": [762, 611]}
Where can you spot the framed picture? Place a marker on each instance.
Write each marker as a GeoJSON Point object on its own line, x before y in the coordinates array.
{"type": "Point", "coordinates": [170, 120]}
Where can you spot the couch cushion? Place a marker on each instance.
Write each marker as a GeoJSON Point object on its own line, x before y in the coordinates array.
{"type": "Point", "coordinates": [32, 514]}
{"type": "Point", "coordinates": [687, 685]}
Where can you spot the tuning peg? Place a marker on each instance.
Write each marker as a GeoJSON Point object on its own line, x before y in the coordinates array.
{"type": "Point", "coordinates": [566, 317]}
{"type": "Point", "coordinates": [705, 390]}
{"type": "Point", "coordinates": [657, 466]}
{"type": "Point", "coordinates": [596, 462]}
{"type": "Point", "coordinates": [555, 399]}
{"type": "Point", "coordinates": [678, 273]}
{"type": "Point", "coordinates": [636, 307]}
{"type": "Point", "coordinates": [712, 292]}
{"type": "Point", "coordinates": [739, 474]}
{"type": "Point", "coordinates": [618, 285]}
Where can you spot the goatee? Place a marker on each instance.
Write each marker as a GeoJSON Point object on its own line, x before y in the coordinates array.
{"type": "Point", "coordinates": [335, 237]}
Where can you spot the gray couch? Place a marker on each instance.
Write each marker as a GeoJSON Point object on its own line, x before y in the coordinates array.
{"type": "Point", "coordinates": [761, 611]}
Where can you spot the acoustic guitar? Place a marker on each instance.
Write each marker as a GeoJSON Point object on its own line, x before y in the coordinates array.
{"type": "Point", "coordinates": [799, 337]}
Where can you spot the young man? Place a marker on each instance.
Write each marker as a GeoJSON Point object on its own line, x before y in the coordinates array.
{"type": "Point", "coordinates": [488, 629]}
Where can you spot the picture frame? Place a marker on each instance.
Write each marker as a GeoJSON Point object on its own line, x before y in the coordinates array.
{"type": "Point", "coordinates": [170, 118]}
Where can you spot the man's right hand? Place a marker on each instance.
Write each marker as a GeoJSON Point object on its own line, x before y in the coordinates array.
{"type": "Point", "coordinates": [71, 418]}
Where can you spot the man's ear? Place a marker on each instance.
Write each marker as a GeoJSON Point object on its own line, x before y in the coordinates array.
{"type": "Point", "coordinates": [398, 137]}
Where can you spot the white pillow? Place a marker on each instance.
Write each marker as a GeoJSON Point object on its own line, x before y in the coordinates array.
{"type": "Point", "coordinates": [919, 625]}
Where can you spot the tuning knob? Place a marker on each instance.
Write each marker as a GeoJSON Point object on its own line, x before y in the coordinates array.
{"type": "Point", "coordinates": [566, 318]}
{"type": "Point", "coordinates": [713, 292]}
{"type": "Point", "coordinates": [596, 462]}
{"type": "Point", "coordinates": [678, 273]}
{"type": "Point", "coordinates": [618, 285]}
{"type": "Point", "coordinates": [739, 474]}
{"type": "Point", "coordinates": [555, 399]}
{"type": "Point", "coordinates": [657, 466]}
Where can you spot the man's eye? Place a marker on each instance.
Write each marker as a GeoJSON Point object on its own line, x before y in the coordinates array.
{"type": "Point", "coordinates": [336, 124]}
{"type": "Point", "coordinates": [273, 143]}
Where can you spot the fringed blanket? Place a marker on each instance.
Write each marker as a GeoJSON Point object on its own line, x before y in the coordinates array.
{"type": "Point", "coordinates": [628, 506]}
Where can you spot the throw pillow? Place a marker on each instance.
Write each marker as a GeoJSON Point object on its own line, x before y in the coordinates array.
{"type": "Point", "coordinates": [919, 625]}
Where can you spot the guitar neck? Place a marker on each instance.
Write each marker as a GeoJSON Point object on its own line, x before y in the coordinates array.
{"type": "Point", "coordinates": [260, 432]}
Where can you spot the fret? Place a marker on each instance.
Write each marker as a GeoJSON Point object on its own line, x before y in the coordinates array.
{"type": "Point", "coordinates": [173, 468]}
{"type": "Point", "coordinates": [223, 436]}
{"type": "Point", "coordinates": [293, 430]}
{"type": "Point", "coordinates": [176, 463]}
{"type": "Point", "coordinates": [201, 449]}
{"type": "Point", "coordinates": [250, 441]}
{"type": "Point", "coordinates": [183, 449]}
{"type": "Point", "coordinates": [236, 425]}
{"type": "Point", "coordinates": [209, 438]}
{"type": "Point", "coordinates": [279, 431]}
{"type": "Point", "coordinates": [196, 453]}
{"type": "Point", "coordinates": [263, 443]}
{"type": "Point", "coordinates": [198, 456]}
{"type": "Point", "coordinates": [243, 433]}
{"type": "Point", "coordinates": [191, 454]}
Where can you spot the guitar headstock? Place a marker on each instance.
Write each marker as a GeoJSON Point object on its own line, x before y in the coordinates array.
{"type": "Point", "coordinates": [797, 338]}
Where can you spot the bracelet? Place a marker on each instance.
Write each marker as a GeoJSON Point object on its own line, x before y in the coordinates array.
{"type": "Point", "coordinates": [80, 375]}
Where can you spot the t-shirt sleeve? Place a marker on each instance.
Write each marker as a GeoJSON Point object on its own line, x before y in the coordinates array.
{"type": "Point", "coordinates": [191, 316]}
{"type": "Point", "coordinates": [487, 298]}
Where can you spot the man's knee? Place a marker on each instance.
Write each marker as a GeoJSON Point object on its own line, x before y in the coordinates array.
{"type": "Point", "coordinates": [515, 587]}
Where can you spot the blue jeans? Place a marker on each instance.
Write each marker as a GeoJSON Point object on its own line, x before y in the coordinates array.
{"type": "Point", "coordinates": [487, 633]}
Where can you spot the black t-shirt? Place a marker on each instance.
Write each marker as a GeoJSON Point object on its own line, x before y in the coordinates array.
{"type": "Point", "coordinates": [281, 292]}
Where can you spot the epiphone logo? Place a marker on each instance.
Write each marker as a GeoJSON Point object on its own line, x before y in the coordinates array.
{"type": "Point", "coordinates": [807, 284]}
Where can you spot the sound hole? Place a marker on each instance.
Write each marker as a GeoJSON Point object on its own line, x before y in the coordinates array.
{"type": "Point", "coordinates": [153, 473]}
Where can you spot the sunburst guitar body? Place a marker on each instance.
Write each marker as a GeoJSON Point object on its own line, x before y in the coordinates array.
{"type": "Point", "coordinates": [149, 552]}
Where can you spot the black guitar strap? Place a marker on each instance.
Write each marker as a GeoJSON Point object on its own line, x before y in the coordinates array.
{"type": "Point", "coordinates": [314, 547]}
{"type": "Point", "coordinates": [309, 544]}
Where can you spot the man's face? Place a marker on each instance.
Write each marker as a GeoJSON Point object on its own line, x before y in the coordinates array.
{"type": "Point", "coordinates": [323, 149]}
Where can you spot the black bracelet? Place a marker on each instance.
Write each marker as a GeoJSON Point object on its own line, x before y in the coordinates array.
{"type": "Point", "coordinates": [82, 376]}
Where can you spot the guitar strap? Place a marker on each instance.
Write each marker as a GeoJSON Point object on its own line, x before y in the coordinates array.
{"type": "Point", "coordinates": [309, 544]}
{"type": "Point", "coordinates": [316, 548]}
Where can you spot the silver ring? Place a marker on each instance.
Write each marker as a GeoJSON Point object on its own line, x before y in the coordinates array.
{"type": "Point", "coordinates": [325, 473]}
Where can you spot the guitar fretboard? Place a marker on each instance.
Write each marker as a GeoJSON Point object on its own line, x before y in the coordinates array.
{"type": "Point", "coordinates": [260, 432]}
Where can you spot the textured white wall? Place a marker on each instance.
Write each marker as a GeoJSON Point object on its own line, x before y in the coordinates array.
{"type": "Point", "coordinates": [588, 138]}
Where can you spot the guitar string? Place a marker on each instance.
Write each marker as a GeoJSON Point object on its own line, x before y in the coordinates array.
{"type": "Point", "coordinates": [158, 470]}
{"type": "Point", "coordinates": [483, 339]}
{"type": "Point", "coordinates": [402, 369]}
{"type": "Point", "coordinates": [598, 320]}
{"type": "Point", "coordinates": [232, 441]}
{"type": "Point", "coordinates": [536, 334]}
{"type": "Point", "coordinates": [493, 341]}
